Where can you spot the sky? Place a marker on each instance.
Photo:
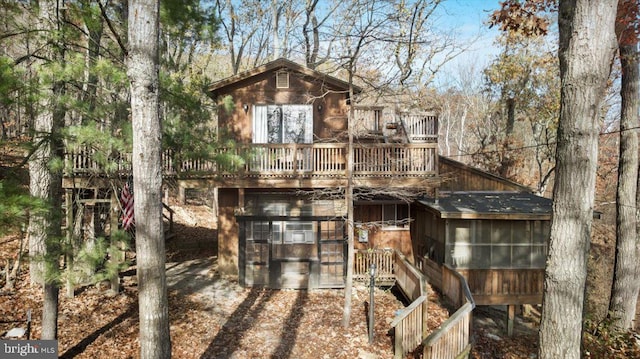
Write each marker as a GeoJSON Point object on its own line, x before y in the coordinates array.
{"type": "Point", "coordinates": [468, 18]}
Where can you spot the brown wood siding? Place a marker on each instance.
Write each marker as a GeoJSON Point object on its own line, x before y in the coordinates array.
{"type": "Point", "coordinates": [505, 286]}
{"type": "Point", "coordinates": [428, 235]}
{"type": "Point", "coordinates": [227, 231]}
{"type": "Point", "coordinates": [328, 122]}
{"type": "Point", "coordinates": [399, 239]}
{"type": "Point", "coordinates": [457, 176]}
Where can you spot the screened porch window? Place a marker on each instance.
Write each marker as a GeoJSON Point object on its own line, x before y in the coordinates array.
{"type": "Point", "coordinates": [283, 124]}
{"type": "Point", "coordinates": [481, 244]}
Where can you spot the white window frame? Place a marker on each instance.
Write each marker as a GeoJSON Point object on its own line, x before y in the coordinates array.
{"type": "Point", "coordinates": [261, 121]}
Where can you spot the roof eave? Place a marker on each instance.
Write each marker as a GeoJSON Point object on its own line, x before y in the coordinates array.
{"type": "Point", "coordinates": [216, 87]}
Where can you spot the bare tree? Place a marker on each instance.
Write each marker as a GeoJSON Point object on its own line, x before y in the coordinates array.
{"type": "Point", "coordinates": [142, 69]}
{"type": "Point", "coordinates": [626, 278]}
{"type": "Point", "coordinates": [246, 28]}
{"type": "Point", "coordinates": [586, 49]}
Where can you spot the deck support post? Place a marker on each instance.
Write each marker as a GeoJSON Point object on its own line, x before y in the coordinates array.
{"type": "Point", "coordinates": [118, 257]}
{"type": "Point", "coordinates": [182, 196]}
{"type": "Point", "coordinates": [511, 313]}
{"type": "Point", "coordinates": [68, 199]}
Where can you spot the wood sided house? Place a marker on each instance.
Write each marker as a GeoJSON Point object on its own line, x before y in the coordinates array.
{"type": "Point", "coordinates": [281, 213]}
{"type": "Point", "coordinates": [282, 218]}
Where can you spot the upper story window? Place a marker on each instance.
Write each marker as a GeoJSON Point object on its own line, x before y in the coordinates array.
{"type": "Point", "coordinates": [282, 124]}
{"type": "Point", "coordinates": [282, 80]}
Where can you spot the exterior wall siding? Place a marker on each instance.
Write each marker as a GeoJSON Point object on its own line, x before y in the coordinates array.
{"type": "Point", "coordinates": [329, 109]}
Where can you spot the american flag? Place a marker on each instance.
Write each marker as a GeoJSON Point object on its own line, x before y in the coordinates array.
{"type": "Point", "coordinates": [126, 199]}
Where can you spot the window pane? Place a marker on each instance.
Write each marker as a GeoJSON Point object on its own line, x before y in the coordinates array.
{"type": "Point", "coordinates": [276, 232]}
{"type": "Point", "coordinates": [331, 230]}
{"type": "Point", "coordinates": [483, 232]}
{"type": "Point", "coordinates": [501, 256]}
{"type": "Point", "coordinates": [521, 234]}
{"type": "Point", "coordinates": [299, 232]}
{"type": "Point", "coordinates": [462, 232]}
{"type": "Point", "coordinates": [538, 256]}
{"type": "Point", "coordinates": [274, 124]}
{"type": "Point", "coordinates": [501, 232]}
{"type": "Point", "coordinates": [481, 256]}
{"type": "Point", "coordinates": [388, 212]}
{"type": "Point", "coordinates": [403, 211]}
{"type": "Point", "coordinates": [540, 232]}
{"type": "Point", "coordinates": [461, 256]}
{"type": "Point", "coordinates": [257, 231]}
{"type": "Point", "coordinates": [521, 257]}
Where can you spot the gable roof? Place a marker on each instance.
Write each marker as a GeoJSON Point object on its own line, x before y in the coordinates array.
{"type": "Point", "coordinates": [490, 205]}
{"type": "Point", "coordinates": [275, 65]}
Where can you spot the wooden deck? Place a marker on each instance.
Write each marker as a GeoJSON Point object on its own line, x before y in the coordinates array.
{"type": "Point", "coordinates": [281, 165]}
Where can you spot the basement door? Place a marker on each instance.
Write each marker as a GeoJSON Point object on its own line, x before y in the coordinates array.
{"type": "Point", "coordinates": [292, 253]}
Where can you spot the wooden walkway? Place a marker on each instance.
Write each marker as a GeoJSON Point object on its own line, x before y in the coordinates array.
{"type": "Point", "coordinates": [452, 339]}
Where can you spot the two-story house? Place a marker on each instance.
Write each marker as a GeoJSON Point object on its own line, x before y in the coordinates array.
{"type": "Point", "coordinates": [282, 214]}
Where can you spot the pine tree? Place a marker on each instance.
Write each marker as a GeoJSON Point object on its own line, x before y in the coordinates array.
{"type": "Point", "coordinates": [142, 66]}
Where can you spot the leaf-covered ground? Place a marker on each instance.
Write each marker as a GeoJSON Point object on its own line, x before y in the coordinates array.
{"type": "Point", "coordinates": [213, 317]}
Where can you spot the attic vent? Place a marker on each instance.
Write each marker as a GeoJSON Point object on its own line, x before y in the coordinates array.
{"type": "Point", "coordinates": [282, 80]}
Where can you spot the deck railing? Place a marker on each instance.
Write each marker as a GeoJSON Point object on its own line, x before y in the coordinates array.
{"type": "Point", "coordinates": [420, 127]}
{"type": "Point", "coordinates": [272, 160]}
{"type": "Point", "coordinates": [452, 339]}
{"type": "Point", "coordinates": [384, 261]}
{"type": "Point", "coordinates": [369, 119]}
{"type": "Point", "coordinates": [410, 327]}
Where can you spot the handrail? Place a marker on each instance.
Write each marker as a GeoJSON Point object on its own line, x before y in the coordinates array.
{"type": "Point", "coordinates": [410, 325]}
{"type": "Point", "coordinates": [315, 159]}
{"type": "Point", "coordinates": [464, 285]}
{"type": "Point", "coordinates": [384, 260]}
{"type": "Point", "coordinates": [169, 217]}
{"type": "Point", "coordinates": [441, 344]}
{"type": "Point", "coordinates": [451, 340]}
{"type": "Point", "coordinates": [415, 272]}
{"type": "Point", "coordinates": [406, 311]}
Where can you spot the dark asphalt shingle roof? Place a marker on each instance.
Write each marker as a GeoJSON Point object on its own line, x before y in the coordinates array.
{"type": "Point", "coordinates": [489, 205]}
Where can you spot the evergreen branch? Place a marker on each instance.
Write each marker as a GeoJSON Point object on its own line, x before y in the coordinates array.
{"type": "Point", "coordinates": [11, 34]}
{"type": "Point", "coordinates": [113, 31]}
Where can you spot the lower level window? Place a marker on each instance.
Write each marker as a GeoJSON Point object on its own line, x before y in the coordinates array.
{"type": "Point", "coordinates": [395, 215]}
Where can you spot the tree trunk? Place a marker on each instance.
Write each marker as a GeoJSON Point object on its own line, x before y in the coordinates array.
{"type": "Point", "coordinates": [586, 49]}
{"type": "Point", "coordinates": [506, 163]}
{"type": "Point", "coordinates": [348, 286]}
{"type": "Point", "coordinates": [50, 312]}
{"type": "Point", "coordinates": [143, 65]}
{"type": "Point", "coordinates": [40, 178]}
{"type": "Point", "coordinates": [45, 183]}
{"type": "Point", "coordinates": [626, 279]}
